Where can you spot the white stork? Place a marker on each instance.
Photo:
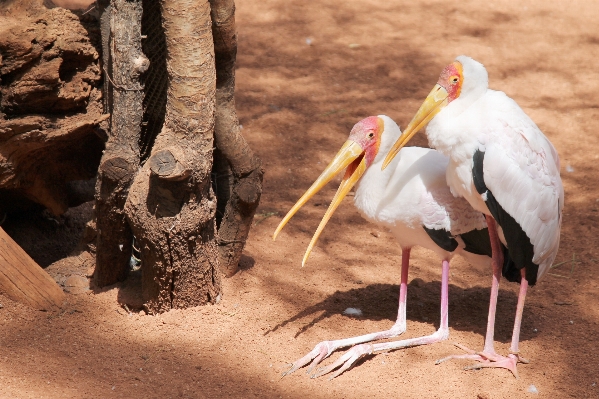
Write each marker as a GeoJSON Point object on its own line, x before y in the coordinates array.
{"type": "Point", "coordinates": [412, 200]}
{"type": "Point", "coordinates": [501, 162]}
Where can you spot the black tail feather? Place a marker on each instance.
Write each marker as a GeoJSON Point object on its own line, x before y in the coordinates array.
{"type": "Point", "coordinates": [509, 270]}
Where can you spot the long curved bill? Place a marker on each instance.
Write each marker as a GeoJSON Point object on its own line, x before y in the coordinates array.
{"type": "Point", "coordinates": [350, 154]}
{"type": "Point", "coordinates": [434, 102]}
{"type": "Point", "coordinates": [352, 175]}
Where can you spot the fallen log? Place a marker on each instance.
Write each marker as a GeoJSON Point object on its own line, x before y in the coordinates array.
{"type": "Point", "coordinates": [52, 128]}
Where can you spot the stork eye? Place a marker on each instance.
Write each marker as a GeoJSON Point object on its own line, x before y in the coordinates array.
{"type": "Point", "coordinates": [371, 135]}
{"type": "Point", "coordinates": [454, 79]}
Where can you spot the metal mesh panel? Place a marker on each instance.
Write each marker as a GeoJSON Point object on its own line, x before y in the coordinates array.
{"type": "Point", "coordinates": [155, 79]}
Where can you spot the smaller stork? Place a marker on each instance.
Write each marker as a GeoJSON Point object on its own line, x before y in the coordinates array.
{"type": "Point", "coordinates": [412, 200]}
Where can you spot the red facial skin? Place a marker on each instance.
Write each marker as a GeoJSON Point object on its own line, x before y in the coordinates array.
{"type": "Point", "coordinates": [451, 79]}
{"type": "Point", "coordinates": [367, 134]}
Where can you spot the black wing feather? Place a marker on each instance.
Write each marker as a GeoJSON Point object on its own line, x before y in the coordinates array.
{"type": "Point", "coordinates": [520, 249]}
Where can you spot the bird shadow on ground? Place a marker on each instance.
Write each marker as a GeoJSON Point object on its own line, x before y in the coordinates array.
{"type": "Point", "coordinates": [468, 308]}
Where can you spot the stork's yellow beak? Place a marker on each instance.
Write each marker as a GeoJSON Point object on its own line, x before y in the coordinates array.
{"type": "Point", "coordinates": [434, 102]}
{"type": "Point", "coordinates": [351, 155]}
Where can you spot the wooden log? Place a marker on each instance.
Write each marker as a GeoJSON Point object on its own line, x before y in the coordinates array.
{"type": "Point", "coordinates": [23, 280]}
{"type": "Point", "coordinates": [51, 122]}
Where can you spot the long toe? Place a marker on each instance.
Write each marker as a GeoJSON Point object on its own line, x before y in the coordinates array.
{"type": "Point", "coordinates": [470, 355]}
{"type": "Point", "coordinates": [345, 361]}
{"type": "Point", "coordinates": [488, 359]}
{"type": "Point", "coordinates": [316, 355]}
{"type": "Point", "coordinates": [484, 357]}
{"type": "Point", "coordinates": [508, 362]}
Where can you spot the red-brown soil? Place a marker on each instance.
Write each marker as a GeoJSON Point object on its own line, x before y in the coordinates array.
{"type": "Point", "coordinates": [307, 71]}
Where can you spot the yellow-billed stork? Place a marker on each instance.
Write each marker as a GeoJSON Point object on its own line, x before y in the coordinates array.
{"type": "Point", "coordinates": [501, 162]}
{"type": "Point", "coordinates": [410, 198]}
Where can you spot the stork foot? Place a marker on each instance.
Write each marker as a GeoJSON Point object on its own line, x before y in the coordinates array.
{"type": "Point", "coordinates": [345, 361]}
{"type": "Point", "coordinates": [488, 359]}
{"type": "Point", "coordinates": [320, 352]}
{"type": "Point", "coordinates": [324, 349]}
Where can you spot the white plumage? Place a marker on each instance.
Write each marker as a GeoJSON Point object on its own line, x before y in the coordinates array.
{"type": "Point", "coordinates": [521, 166]}
{"type": "Point", "coordinates": [505, 167]}
{"type": "Point", "coordinates": [410, 198]}
{"type": "Point", "coordinates": [412, 192]}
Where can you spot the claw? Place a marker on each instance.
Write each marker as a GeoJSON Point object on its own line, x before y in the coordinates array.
{"type": "Point", "coordinates": [316, 361]}
{"type": "Point", "coordinates": [487, 360]}
{"type": "Point", "coordinates": [346, 361]}
{"type": "Point", "coordinates": [523, 359]}
{"type": "Point", "coordinates": [505, 362]}
{"type": "Point", "coordinates": [292, 368]}
{"type": "Point", "coordinates": [320, 352]}
{"type": "Point", "coordinates": [520, 358]}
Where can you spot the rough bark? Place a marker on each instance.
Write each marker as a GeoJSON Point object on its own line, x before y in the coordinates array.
{"type": "Point", "coordinates": [51, 122]}
{"type": "Point", "coordinates": [241, 194]}
{"type": "Point", "coordinates": [124, 64]}
{"type": "Point", "coordinates": [171, 204]}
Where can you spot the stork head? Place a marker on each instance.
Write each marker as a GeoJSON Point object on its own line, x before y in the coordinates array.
{"type": "Point", "coordinates": [355, 156]}
{"type": "Point", "coordinates": [464, 78]}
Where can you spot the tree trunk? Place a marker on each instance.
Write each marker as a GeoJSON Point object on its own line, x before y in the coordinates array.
{"type": "Point", "coordinates": [171, 205]}
{"type": "Point", "coordinates": [124, 64]}
{"type": "Point", "coordinates": [244, 189]}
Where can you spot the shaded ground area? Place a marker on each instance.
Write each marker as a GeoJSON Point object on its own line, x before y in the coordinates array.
{"type": "Point", "coordinates": [307, 72]}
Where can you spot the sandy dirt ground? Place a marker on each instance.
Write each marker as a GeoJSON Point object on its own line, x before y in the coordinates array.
{"type": "Point", "coordinates": [307, 71]}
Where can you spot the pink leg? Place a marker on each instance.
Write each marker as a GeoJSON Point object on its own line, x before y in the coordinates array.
{"type": "Point", "coordinates": [355, 353]}
{"type": "Point", "coordinates": [514, 357]}
{"type": "Point", "coordinates": [488, 357]}
{"type": "Point", "coordinates": [403, 290]}
{"type": "Point", "coordinates": [519, 309]}
{"type": "Point", "coordinates": [324, 349]}
{"type": "Point", "coordinates": [497, 263]}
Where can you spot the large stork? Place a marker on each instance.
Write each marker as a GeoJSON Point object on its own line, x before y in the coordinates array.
{"type": "Point", "coordinates": [412, 200]}
{"type": "Point", "coordinates": [501, 162]}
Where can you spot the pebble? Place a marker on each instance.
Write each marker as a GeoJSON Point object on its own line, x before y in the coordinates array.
{"type": "Point", "coordinates": [569, 169]}
{"type": "Point", "coordinates": [352, 312]}
{"type": "Point", "coordinates": [571, 321]}
{"type": "Point", "coordinates": [533, 389]}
